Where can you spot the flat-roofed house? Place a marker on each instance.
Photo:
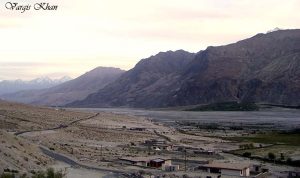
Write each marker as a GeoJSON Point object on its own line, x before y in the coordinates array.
{"type": "Point", "coordinates": [155, 141]}
{"type": "Point", "coordinates": [204, 152]}
{"type": "Point", "coordinates": [166, 147]}
{"type": "Point", "coordinates": [228, 169]}
{"type": "Point", "coordinates": [170, 168]}
{"type": "Point", "coordinates": [157, 163]}
{"type": "Point", "coordinates": [141, 129]}
{"type": "Point", "coordinates": [153, 162]}
{"type": "Point", "coordinates": [138, 161]}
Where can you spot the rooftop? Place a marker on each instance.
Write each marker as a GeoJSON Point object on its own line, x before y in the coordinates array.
{"type": "Point", "coordinates": [143, 159]}
{"type": "Point", "coordinates": [231, 166]}
{"type": "Point", "coordinates": [158, 160]}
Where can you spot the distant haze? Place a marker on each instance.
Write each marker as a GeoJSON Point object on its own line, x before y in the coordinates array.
{"type": "Point", "coordinates": [11, 86]}
{"type": "Point", "coordinates": [81, 35]}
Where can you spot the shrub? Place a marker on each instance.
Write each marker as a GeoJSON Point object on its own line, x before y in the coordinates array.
{"type": "Point", "coordinates": [247, 146]}
{"type": "Point", "coordinates": [7, 175]}
{"type": "Point", "coordinates": [289, 160]}
{"type": "Point", "coordinates": [282, 156]}
{"type": "Point", "coordinates": [39, 174]}
{"type": "Point", "coordinates": [271, 156]}
{"type": "Point", "coordinates": [247, 154]}
{"type": "Point", "coordinates": [50, 173]}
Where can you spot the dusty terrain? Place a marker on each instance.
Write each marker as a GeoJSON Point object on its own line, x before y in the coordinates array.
{"type": "Point", "coordinates": [90, 144]}
{"type": "Point", "coordinates": [21, 154]}
{"type": "Point", "coordinates": [18, 154]}
{"type": "Point", "coordinates": [19, 117]}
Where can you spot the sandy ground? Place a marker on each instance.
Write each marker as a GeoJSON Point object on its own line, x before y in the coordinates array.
{"type": "Point", "coordinates": [19, 117]}
{"type": "Point", "coordinates": [97, 140]}
{"type": "Point", "coordinates": [19, 154]}
{"type": "Point", "coordinates": [90, 141]}
{"type": "Point", "coordinates": [71, 172]}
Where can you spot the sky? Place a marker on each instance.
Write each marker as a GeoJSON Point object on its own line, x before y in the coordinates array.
{"type": "Point", "coordinates": [83, 34]}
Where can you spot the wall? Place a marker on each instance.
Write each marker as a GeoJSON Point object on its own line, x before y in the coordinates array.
{"type": "Point", "coordinates": [230, 172]}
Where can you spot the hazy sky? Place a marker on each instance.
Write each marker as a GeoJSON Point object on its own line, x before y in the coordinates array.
{"type": "Point", "coordinates": [84, 34]}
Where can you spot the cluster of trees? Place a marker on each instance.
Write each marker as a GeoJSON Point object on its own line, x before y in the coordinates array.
{"type": "Point", "coordinates": [50, 173]}
{"type": "Point", "coordinates": [227, 106]}
{"type": "Point", "coordinates": [272, 157]}
{"type": "Point", "coordinates": [247, 146]}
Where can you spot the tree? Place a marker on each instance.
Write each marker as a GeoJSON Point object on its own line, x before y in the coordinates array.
{"type": "Point", "coordinates": [39, 174]}
{"type": "Point", "coordinates": [271, 156]}
{"type": "Point", "coordinates": [289, 160]}
{"type": "Point", "coordinates": [7, 175]}
{"type": "Point", "coordinates": [247, 154]}
{"type": "Point", "coordinates": [50, 173]}
{"type": "Point", "coordinates": [282, 156]}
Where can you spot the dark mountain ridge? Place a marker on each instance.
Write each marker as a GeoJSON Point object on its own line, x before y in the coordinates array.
{"type": "Point", "coordinates": [264, 69]}
{"type": "Point", "coordinates": [145, 83]}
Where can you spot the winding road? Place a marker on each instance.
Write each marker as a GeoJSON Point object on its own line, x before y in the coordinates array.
{"type": "Point", "coordinates": [61, 126]}
{"type": "Point", "coordinates": [63, 158]}
{"type": "Point", "coordinates": [73, 163]}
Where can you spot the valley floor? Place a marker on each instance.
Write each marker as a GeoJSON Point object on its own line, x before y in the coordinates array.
{"type": "Point", "coordinates": [92, 144]}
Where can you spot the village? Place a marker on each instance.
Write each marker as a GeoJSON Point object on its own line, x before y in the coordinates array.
{"type": "Point", "coordinates": [120, 145]}
{"type": "Point", "coordinates": [209, 168]}
{"type": "Point", "coordinates": [134, 144]}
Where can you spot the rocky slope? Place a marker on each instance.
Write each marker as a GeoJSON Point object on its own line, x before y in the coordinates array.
{"type": "Point", "coordinates": [264, 68]}
{"type": "Point", "coordinates": [20, 153]}
{"type": "Point", "coordinates": [70, 91]}
{"type": "Point", "coordinates": [145, 84]}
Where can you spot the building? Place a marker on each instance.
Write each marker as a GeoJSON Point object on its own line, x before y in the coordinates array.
{"type": "Point", "coordinates": [165, 147]}
{"type": "Point", "coordinates": [153, 162]}
{"type": "Point", "coordinates": [187, 148]}
{"type": "Point", "coordinates": [228, 169]}
{"type": "Point", "coordinates": [205, 152]}
{"type": "Point", "coordinates": [258, 168]}
{"type": "Point", "coordinates": [137, 161]}
{"type": "Point", "coordinates": [158, 163]}
{"type": "Point", "coordinates": [140, 129]}
{"type": "Point", "coordinates": [293, 174]}
{"type": "Point", "coordinates": [158, 145]}
{"type": "Point", "coordinates": [170, 168]}
{"type": "Point", "coordinates": [155, 141]}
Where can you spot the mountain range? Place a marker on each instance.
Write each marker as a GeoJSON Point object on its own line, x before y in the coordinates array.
{"type": "Point", "coordinates": [11, 86]}
{"type": "Point", "coordinates": [69, 91]}
{"type": "Point", "coordinates": [262, 69]}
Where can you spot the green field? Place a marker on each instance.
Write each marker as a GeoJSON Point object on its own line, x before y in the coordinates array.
{"type": "Point", "coordinates": [227, 106]}
{"type": "Point", "coordinates": [271, 138]}
{"type": "Point", "coordinates": [283, 146]}
{"type": "Point", "coordinates": [287, 151]}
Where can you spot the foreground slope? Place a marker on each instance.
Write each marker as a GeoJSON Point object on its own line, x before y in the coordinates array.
{"type": "Point", "coordinates": [264, 68]}
{"type": "Point", "coordinates": [18, 153]}
{"type": "Point", "coordinates": [72, 90]}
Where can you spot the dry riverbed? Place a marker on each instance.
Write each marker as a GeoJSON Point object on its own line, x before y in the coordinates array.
{"type": "Point", "coordinates": [94, 142]}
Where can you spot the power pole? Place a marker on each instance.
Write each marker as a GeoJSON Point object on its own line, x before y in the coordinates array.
{"type": "Point", "coordinates": [101, 152]}
{"type": "Point", "coordinates": [184, 160]}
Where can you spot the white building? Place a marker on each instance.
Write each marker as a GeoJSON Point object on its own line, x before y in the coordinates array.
{"type": "Point", "coordinates": [228, 169]}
